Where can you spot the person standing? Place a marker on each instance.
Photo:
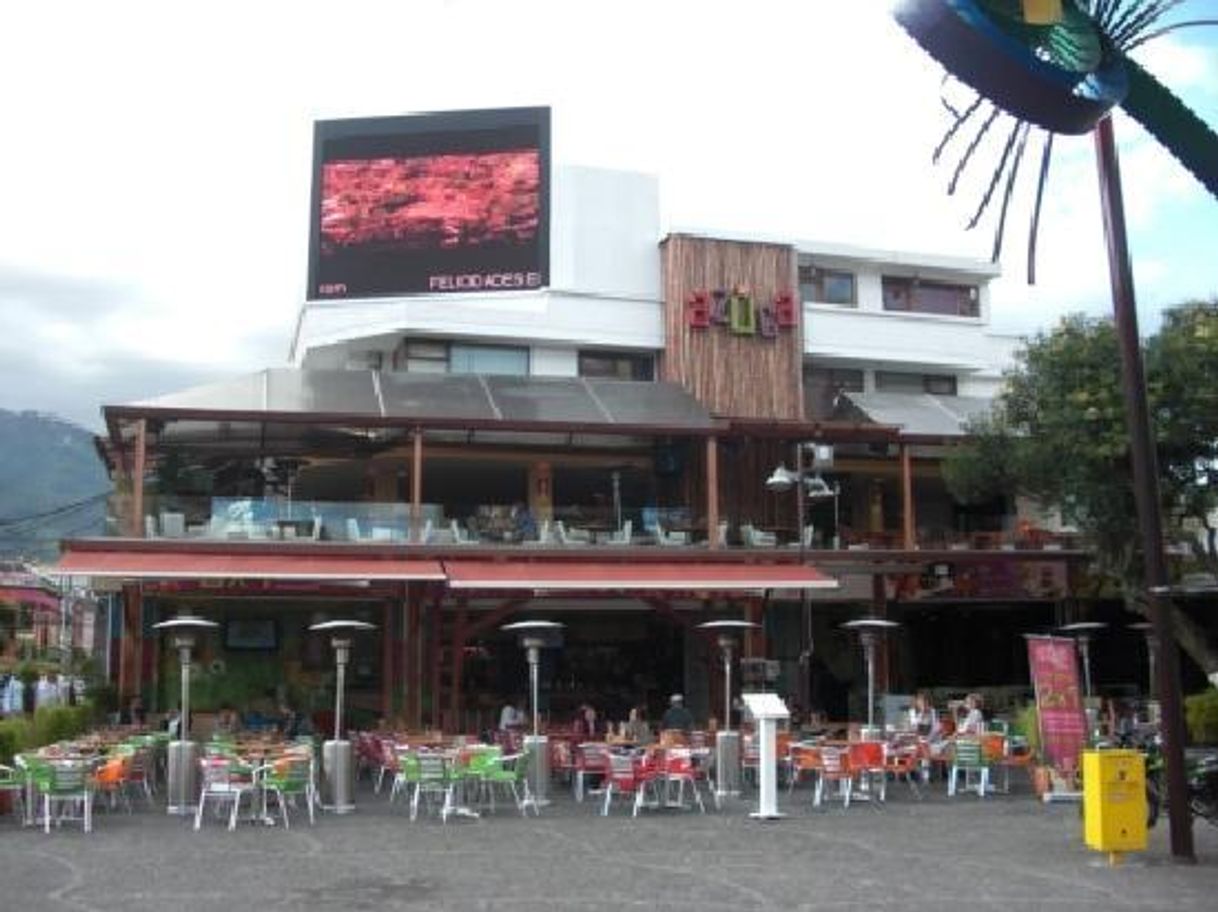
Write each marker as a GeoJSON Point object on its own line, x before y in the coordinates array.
{"type": "Point", "coordinates": [677, 717]}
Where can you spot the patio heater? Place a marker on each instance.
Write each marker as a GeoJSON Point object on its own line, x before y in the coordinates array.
{"type": "Point", "coordinates": [183, 759]}
{"type": "Point", "coordinates": [1082, 631]}
{"type": "Point", "coordinates": [1147, 629]}
{"type": "Point", "coordinates": [727, 742]}
{"type": "Point", "coordinates": [533, 637]}
{"type": "Point", "coordinates": [337, 760]}
{"type": "Point", "coordinates": [870, 630]}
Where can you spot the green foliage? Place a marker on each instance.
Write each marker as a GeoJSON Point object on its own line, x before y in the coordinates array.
{"type": "Point", "coordinates": [1027, 725]}
{"type": "Point", "coordinates": [60, 723]}
{"type": "Point", "coordinates": [1201, 713]}
{"type": "Point", "coordinates": [239, 681]}
{"type": "Point", "coordinates": [16, 735]}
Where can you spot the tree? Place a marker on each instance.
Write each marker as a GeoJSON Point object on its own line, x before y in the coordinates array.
{"type": "Point", "coordinates": [1057, 434]}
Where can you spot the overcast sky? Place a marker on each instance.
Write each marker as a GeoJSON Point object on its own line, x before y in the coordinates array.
{"type": "Point", "coordinates": [156, 158]}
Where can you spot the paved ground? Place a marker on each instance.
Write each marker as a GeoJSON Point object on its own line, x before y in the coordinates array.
{"type": "Point", "coordinates": [1004, 853]}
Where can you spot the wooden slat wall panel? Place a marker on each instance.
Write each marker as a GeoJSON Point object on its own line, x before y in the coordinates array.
{"type": "Point", "coordinates": [744, 465]}
{"type": "Point", "coordinates": [732, 375]}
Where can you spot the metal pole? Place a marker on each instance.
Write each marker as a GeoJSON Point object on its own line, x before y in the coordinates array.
{"type": "Point", "coordinates": [184, 722]}
{"type": "Point", "coordinates": [1145, 486]}
{"type": "Point", "coordinates": [1084, 646]}
{"type": "Point", "coordinates": [727, 687]}
{"type": "Point", "coordinates": [339, 681]}
{"type": "Point", "coordinates": [805, 653]}
{"type": "Point", "coordinates": [533, 687]}
{"type": "Point", "coordinates": [869, 648]}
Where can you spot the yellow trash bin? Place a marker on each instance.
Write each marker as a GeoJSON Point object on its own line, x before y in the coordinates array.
{"type": "Point", "coordinates": [1114, 800]}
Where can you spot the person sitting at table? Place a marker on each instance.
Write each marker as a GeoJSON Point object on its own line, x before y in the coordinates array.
{"type": "Point", "coordinates": [677, 717]}
{"type": "Point", "coordinates": [638, 730]}
{"type": "Point", "coordinates": [973, 722]}
{"type": "Point", "coordinates": [922, 716]}
{"type": "Point", "coordinates": [587, 724]}
{"type": "Point", "coordinates": [227, 722]}
{"type": "Point", "coordinates": [173, 723]}
{"type": "Point", "coordinates": [524, 526]}
{"type": "Point", "coordinates": [512, 717]}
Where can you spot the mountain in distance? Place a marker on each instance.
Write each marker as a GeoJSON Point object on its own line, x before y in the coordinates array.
{"type": "Point", "coordinates": [53, 485]}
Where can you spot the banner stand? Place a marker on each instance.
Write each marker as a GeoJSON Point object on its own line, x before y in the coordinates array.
{"type": "Point", "coordinates": [1053, 662]}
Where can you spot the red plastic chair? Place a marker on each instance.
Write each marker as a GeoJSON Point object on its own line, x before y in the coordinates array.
{"type": "Point", "coordinates": [869, 760]}
{"type": "Point", "coordinates": [679, 768]}
{"type": "Point", "coordinates": [628, 775]}
{"type": "Point", "coordinates": [591, 761]}
{"type": "Point", "coordinates": [835, 767]}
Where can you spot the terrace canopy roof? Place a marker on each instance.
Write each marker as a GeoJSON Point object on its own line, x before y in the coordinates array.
{"type": "Point", "coordinates": [601, 575]}
{"type": "Point", "coordinates": [372, 398]}
{"type": "Point", "coordinates": [920, 414]}
{"type": "Point", "coordinates": [161, 564]}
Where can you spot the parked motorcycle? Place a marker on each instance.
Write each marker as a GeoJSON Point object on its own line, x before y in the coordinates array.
{"type": "Point", "coordinates": [1202, 779]}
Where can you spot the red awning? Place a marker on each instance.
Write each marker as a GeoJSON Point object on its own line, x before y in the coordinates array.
{"type": "Point", "coordinates": [191, 565]}
{"type": "Point", "coordinates": [36, 598]}
{"type": "Point", "coordinates": [668, 575]}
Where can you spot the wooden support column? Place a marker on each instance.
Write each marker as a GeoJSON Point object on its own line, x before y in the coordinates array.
{"type": "Point", "coordinates": [387, 654]}
{"type": "Point", "coordinates": [435, 619]}
{"type": "Point", "coordinates": [139, 465]}
{"type": "Point", "coordinates": [712, 492]}
{"type": "Point", "coordinates": [908, 520]}
{"type": "Point", "coordinates": [416, 488]}
{"type": "Point", "coordinates": [412, 655]}
{"type": "Point", "coordinates": [131, 648]}
{"type": "Point", "coordinates": [458, 670]}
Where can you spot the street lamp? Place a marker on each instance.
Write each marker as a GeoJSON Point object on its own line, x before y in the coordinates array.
{"type": "Point", "coordinates": [183, 753]}
{"type": "Point", "coordinates": [727, 742]}
{"type": "Point", "coordinates": [1082, 632]}
{"type": "Point", "coordinates": [870, 630]}
{"type": "Point", "coordinates": [816, 488]}
{"type": "Point", "coordinates": [533, 638]}
{"type": "Point", "coordinates": [336, 756]}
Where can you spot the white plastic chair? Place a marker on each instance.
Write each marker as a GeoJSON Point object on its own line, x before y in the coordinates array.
{"type": "Point", "coordinates": [671, 538]}
{"type": "Point", "coordinates": [352, 529]}
{"type": "Point", "coordinates": [461, 535]}
{"type": "Point", "coordinates": [622, 536]}
{"type": "Point", "coordinates": [173, 525]}
{"type": "Point", "coordinates": [570, 536]}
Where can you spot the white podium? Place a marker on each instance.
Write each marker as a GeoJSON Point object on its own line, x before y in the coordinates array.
{"type": "Point", "coordinates": [767, 709]}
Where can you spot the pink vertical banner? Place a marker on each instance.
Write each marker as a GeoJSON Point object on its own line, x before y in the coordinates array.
{"type": "Point", "coordinates": [1063, 726]}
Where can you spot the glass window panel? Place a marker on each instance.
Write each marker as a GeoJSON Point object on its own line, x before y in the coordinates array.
{"type": "Point", "coordinates": [488, 360]}
{"type": "Point", "coordinates": [940, 384]}
{"type": "Point", "coordinates": [838, 287]}
{"type": "Point", "coordinates": [898, 382]}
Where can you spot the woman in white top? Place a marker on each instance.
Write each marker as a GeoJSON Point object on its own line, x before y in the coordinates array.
{"type": "Point", "coordinates": [973, 722]}
{"type": "Point", "coordinates": [922, 716]}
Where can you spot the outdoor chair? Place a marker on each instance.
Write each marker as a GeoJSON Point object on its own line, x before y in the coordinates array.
{"type": "Point", "coordinates": [679, 769]}
{"type": "Point", "coordinates": [622, 536]}
{"type": "Point", "coordinates": [461, 535]}
{"type": "Point", "coordinates": [139, 771]}
{"type": "Point", "coordinates": [869, 761]}
{"type": "Point", "coordinates": [835, 767]}
{"type": "Point", "coordinates": [904, 761]}
{"type": "Point", "coordinates": [225, 781]}
{"type": "Point", "coordinates": [288, 778]}
{"type": "Point", "coordinates": [173, 525]}
{"type": "Point", "coordinates": [434, 784]}
{"type": "Point", "coordinates": [386, 762]}
{"type": "Point", "coordinates": [68, 784]}
{"type": "Point", "coordinates": [406, 775]}
{"type": "Point", "coordinates": [968, 760]}
{"type": "Point", "coordinates": [805, 762]}
{"type": "Point", "coordinates": [591, 761]}
{"type": "Point", "coordinates": [512, 773]}
{"type": "Point", "coordinates": [571, 536]}
{"type": "Point", "coordinates": [755, 538]}
{"type": "Point", "coordinates": [805, 540]}
{"type": "Point", "coordinates": [110, 780]}
{"type": "Point", "coordinates": [545, 535]}
{"type": "Point", "coordinates": [671, 539]}
{"type": "Point", "coordinates": [630, 776]}
{"type": "Point", "coordinates": [12, 783]}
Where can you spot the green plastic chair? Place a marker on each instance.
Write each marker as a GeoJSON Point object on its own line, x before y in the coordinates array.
{"type": "Point", "coordinates": [407, 776]}
{"type": "Point", "coordinates": [967, 758]}
{"type": "Point", "coordinates": [512, 774]}
{"type": "Point", "coordinates": [287, 779]}
{"type": "Point", "coordinates": [435, 782]}
{"type": "Point", "coordinates": [66, 782]}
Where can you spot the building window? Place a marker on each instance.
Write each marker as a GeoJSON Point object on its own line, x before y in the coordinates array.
{"type": "Point", "coordinates": [488, 359]}
{"type": "Point", "coordinates": [823, 385]}
{"type": "Point", "coordinates": [902, 382]}
{"type": "Point", "coordinates": [599, 365]}
{"type": "Point", "coordinates": [419, 356]}
{"type": "Point", "coordinates": [919, 296]}
{"type": "Point", "coordinates": [827, 286]}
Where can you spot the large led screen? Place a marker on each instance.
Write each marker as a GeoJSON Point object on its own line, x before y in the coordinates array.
{"type": "Point", "coordinates": [431, 204]}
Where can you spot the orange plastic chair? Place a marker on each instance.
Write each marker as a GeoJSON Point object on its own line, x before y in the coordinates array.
{"type": "Point", "coordinates": [835, 767]}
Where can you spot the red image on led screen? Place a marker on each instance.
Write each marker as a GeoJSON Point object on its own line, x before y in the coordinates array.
{"type": "Point", "coordinates": [429, 204]}
{"type": "Point", "coordinates": [433, 201]}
